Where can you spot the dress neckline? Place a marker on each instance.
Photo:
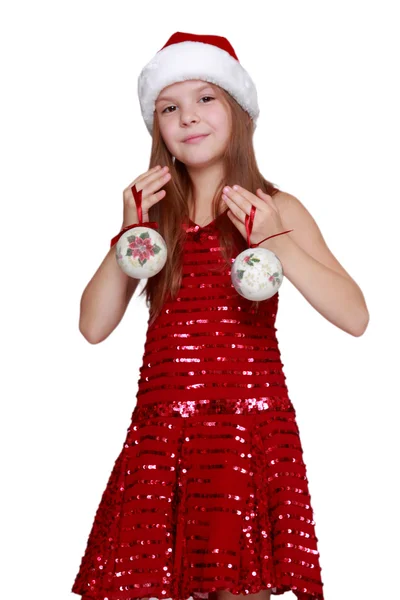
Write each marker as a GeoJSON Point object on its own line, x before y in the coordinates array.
{"type": "Point", "coordinates": [210, 223]}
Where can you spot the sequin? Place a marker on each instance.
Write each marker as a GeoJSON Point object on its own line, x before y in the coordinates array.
{"type": "Point", "coordinates": [210, 490]}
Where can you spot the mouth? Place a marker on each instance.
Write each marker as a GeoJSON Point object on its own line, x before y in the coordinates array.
{"type": "Point", "coordinates": [195, 138]}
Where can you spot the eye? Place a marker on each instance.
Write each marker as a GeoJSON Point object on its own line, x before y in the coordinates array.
{"type": "Point", "coordinates": [172, 105]}
{"type": "Point", "coordinates": [165, 109]}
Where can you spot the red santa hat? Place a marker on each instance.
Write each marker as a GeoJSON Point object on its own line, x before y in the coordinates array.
{"type": "Point", "coordinates": [191, 56]}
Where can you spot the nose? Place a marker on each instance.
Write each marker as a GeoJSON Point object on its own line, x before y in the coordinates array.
{"type": "Point", "coordinates": [189, 116]}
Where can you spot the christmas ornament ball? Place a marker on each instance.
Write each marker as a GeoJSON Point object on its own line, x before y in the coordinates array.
{"type": "Point", "coordinates": [141, 252]}
{"type": "Point", "coordinates": [257, 274]}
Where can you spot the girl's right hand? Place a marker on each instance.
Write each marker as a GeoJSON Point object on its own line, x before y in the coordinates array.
{"type": "Point", "coordinates": [150, 182]}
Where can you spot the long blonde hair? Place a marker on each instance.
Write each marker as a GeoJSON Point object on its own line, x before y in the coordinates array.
{"type": "Point", "coordinates": [240, 167]}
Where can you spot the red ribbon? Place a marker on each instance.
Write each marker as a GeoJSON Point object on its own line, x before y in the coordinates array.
{"type": "Point", "coordinates": [138, 200]}
{"type": "Point", "coordinates": [249, 227]}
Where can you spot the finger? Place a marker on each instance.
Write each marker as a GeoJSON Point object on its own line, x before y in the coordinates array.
{"type": "Point", "coordinates": [154, 177]}
{"type": "Point", "coordinates": [154, 185]}
{"type": "Point", "coordinates": [141, 181]}
{"type": "Point", "coordinates": [243, 198]}
{"type": "Point", "coordinates": [236, 203]}
{"type": "Point", "coordinates": [267, 199]}
{"type": "Point", "coordinates": [152, 182]}
{"type": "Point", "coordinates": [234, 218]}
{"type": "Point", "coordinates": [148, 198]}
{"type": "Point", "coordinates": [234, 209]}
{"type": "Point", "coordinates": [151, 200]}
{"type": "Point", "coordinates": [264, 196]}
{"type": "Point", "coordinates": [152, 172]}
{"type": "Point", "coordinates": [251, 198]}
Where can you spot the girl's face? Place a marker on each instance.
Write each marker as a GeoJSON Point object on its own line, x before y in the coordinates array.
{"type": "Point", "coordinates": [190, 108]}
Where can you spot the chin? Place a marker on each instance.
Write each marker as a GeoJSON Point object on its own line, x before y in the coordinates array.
{"type": "Point", "coordinates": [200, 161]}
{"type": "Point", "coordinates": [197, 158]}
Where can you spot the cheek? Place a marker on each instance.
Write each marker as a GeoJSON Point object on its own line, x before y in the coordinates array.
{"type": "Point", "coordinates": [221, 120]}
{"type": "Point", "coordinates": [168, 135]}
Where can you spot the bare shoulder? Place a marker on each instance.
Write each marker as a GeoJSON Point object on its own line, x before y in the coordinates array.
{"type": "Point", "coordinates": [294, 212]}
{"type": "Point", "coordinates": [281, 200]}
{"type": "Point", "coordinates": [306, 232]}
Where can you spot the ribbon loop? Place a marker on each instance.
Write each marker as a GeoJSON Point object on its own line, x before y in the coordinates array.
{"type": "Point", "coordinates": [137, 194]}
{"type": "Point", "coordinates": [249, 228]}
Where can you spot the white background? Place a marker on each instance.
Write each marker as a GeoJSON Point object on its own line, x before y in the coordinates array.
{"type": "Point", "coordinates": [72, 138]}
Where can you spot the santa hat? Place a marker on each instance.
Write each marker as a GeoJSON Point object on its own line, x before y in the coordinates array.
{"type": "Point", "coordinates": [191, 56]}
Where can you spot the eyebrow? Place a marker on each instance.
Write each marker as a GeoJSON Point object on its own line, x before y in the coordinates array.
{"type": "Point", "coordinates": [199, 89]}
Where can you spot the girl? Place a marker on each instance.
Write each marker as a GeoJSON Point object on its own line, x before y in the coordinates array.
{"type": "Point", "coordinates": [209, 495]}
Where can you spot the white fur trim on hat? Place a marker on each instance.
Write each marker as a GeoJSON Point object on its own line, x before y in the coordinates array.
{"type": "Point", "coordinates": [195, 60]}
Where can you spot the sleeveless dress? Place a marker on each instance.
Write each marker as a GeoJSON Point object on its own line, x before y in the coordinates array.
{"type": "Point", "coordinates": [209, 491]}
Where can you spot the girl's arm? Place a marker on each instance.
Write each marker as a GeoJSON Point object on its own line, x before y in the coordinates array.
{"type": "Point", "coordinates": [312, 268]}
{"type": "Point", "coordinates": [105, 299]}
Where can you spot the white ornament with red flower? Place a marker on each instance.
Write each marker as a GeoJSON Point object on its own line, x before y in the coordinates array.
{"type": "Point", "coordinates": [257, 274]}
{"type": "Point", "coordinates": [141, 252]}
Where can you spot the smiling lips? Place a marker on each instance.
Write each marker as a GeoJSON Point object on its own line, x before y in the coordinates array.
{"type": "Point", "coordinates": [197, 138]}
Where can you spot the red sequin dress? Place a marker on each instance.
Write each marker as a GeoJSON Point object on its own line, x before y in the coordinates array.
{"type": "Point", "coordinates": [209, 491]}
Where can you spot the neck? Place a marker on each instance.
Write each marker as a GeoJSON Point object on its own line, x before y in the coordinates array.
{"type": "Point", "coordinates": [205, 182]}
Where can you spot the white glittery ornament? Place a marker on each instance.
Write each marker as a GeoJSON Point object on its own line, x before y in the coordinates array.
{"type": "Point", "coordinates": [257, 273]}
{"type": "Point", "coordinates": [141, 252]}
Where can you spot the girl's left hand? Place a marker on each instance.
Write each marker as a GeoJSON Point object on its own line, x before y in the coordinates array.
{"type": "Point", "coordinates": [267, 220]}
